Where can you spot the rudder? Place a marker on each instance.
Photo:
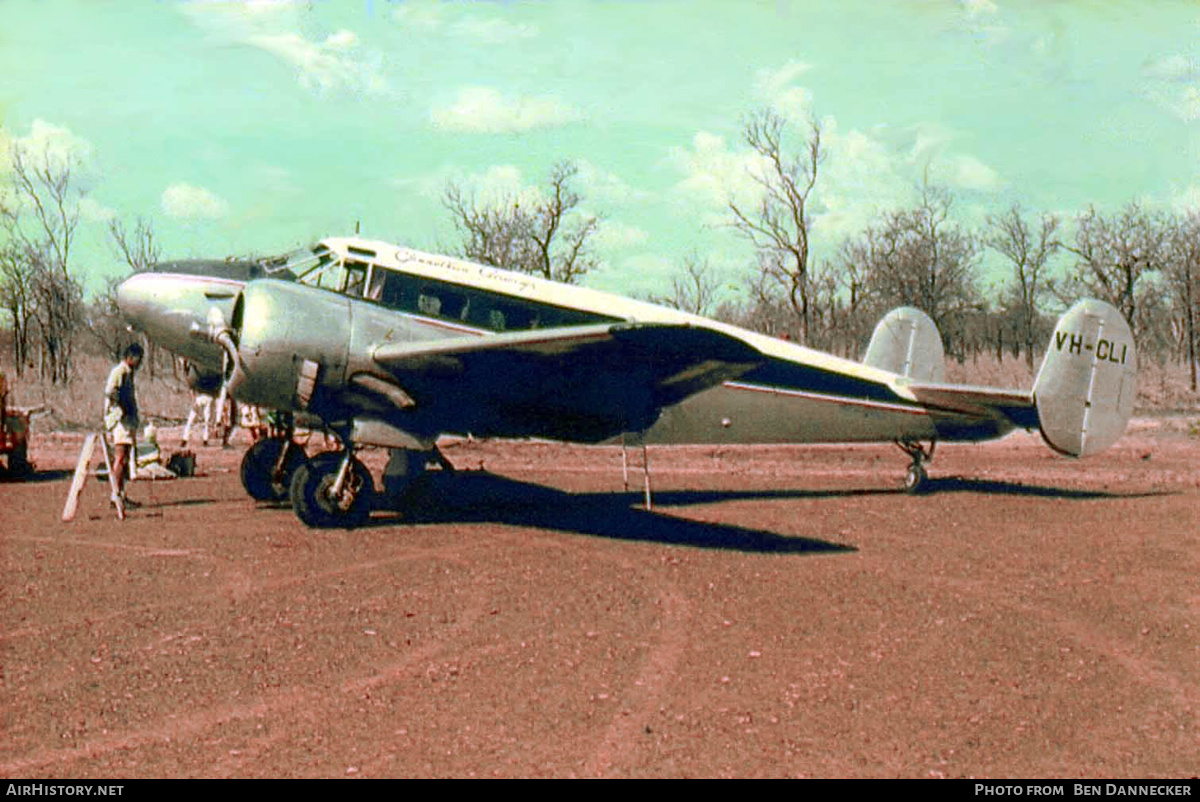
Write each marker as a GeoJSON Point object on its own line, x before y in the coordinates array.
{"type": "Point", "coordinates": [1085, 388]}
{"type": "Point", "coordinates": [906, 341]}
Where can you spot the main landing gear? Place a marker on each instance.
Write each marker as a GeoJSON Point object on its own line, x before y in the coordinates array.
{"type": "Point", "coordinates": [916, 480]}
{"type": "Point", "coordinates": [268, 468]}
{"type": "Point", "coordinates": [332, 489]}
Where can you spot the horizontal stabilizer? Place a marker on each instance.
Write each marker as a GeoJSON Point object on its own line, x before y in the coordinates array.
{"type": "Point", "coordinates": [979, 401]}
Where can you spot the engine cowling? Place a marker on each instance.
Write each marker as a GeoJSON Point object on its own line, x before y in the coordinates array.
{"type": "Point", "coordinates": [293, 345]}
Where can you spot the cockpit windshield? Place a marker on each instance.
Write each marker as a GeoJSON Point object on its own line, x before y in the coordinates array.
{"type": "Point", "coordinates": [303, 263]}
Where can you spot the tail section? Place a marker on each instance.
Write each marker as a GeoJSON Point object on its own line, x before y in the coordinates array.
{"type": "Point", "coordinates": [906, 341]}
{"type": "Point", "coordinates": [1085, 387]}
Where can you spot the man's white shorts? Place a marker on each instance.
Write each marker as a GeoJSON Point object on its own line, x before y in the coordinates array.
{"type": "Point", "coordinates": [121, 435]}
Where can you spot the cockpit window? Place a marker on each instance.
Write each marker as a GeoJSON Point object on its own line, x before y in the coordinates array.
{"type": "Point", "coordinates": [354, 279]}
{"type": "Point", "coordinates": [300, 262]}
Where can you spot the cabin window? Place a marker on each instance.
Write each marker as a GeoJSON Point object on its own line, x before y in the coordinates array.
{"type": "Point", "coordinates": [475, 307]}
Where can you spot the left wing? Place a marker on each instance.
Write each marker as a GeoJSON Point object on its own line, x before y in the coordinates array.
{"type": "Point", "coordinates": [583, 383]}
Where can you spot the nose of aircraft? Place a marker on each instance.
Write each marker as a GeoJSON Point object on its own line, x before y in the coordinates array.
{"type": "Point", "coordinates": [172, 309]}
{"type": "Point", "coordinates": [134, 295]}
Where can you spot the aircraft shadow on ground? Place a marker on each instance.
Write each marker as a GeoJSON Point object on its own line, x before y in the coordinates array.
{"type": "Point", "coordinates": [957, 484]}
{"type": "Point", "coordinates": [482, 497]}
{"type": "Point", "coordinates": [479, 496]}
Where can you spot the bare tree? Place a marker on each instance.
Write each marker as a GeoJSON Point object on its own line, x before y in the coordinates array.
{"type": "Point", "coordinates": [1183, 279]}
{"type": "Point", "coordinates": [847, 299]}
{"type": "Point", "coordinates": [16, 293]}
{"type": "Point", "coordinates": [695, 290]}
{"type": "Point", "coordinates": [1116, 260]}
{"type": "Point", "coordinates": [919, 257]}
{"type": "Point", "coordinates": [138, 248]}
{"type": "Point", "coordinates": [1029, 253]}
{"type": "Point", "coordinates": [40, 219]}
{"type": "Point", "coordinates": [549, 237]}
{"type": "Point", "coordinates": [778, 226]}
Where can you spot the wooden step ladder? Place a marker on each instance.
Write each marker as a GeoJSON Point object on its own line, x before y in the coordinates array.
{"type": "Point", "coordinates": [82, 468]}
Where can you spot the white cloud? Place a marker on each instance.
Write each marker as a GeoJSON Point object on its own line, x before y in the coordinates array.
{"type": "Point", "coordinates": [94, 211]}
{"type": "Point", "coordinates": [613, 236]}
{"type": "Point", "coordinates": [1188, 200]}
{"type": "Point", "coordinates": [712, 173]}
{"type": "Point", "coordinates": [862, 175]}
{"type": "Point", "coordinates": [968, 172]}
{"type": "Point", "coordinates": [637, 275]}
{"type": "Point", "coordinates": [777, 87]}
{"type": "Point", "coordinates": [323, 67]}
{"type": "Point", "coordinates": [498, 183]}
{"type": "Point", "coordinates": [492, 30]}
{"type": "Point", "coordinates": [54, 146]}
{"type": "Point", "coordinates": [978, 8]}
{"type": "Point", "coordinates": [423, 16]}
{"type": "Point", "coordinates": [342, 40]}
{"type": "Point", "coordinates": [1175, 67]}
{"type": "Point", "coordinates": [483, 109]}
{"type": "Point", "coordinates": [1175, 85]}
{"type": "Point", "coordinates": [605, 187]}
{"type": "Point", "coordinates": [185, 201]}
{"type": "Point", "coordinates": [427, 18]}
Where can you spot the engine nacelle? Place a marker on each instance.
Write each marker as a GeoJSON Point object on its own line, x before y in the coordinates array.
{"type": "Point", "coordinates": [293, 346]}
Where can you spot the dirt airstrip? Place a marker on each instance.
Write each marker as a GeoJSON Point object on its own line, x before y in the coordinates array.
{"type": "Point", "coordinates": [782, 611]}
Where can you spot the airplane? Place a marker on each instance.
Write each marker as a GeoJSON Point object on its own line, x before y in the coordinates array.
{"type": "Point", "coordinates": [388, 346]}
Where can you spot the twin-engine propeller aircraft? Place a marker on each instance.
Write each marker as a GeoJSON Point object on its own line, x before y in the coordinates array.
{"type": "Point", "coordinates": [391, 347]}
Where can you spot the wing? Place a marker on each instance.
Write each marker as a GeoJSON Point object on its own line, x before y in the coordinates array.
{"type": "Point", "coordinates": [583, 383]}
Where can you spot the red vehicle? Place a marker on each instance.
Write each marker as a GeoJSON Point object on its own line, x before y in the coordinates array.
{"type": "Point", "coordinates": [14, 434]}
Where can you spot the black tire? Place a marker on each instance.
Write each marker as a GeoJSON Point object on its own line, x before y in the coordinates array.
{"type": "Point", "coordinates": [18, 460]}
{"type": "Point", "coordinates": [311, 499]}
{"type": "Point", "coordinates": [916, 480]}
{"type": "Point", "coordinates": [259, 463]}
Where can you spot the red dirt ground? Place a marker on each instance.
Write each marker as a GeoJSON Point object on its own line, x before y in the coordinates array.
{"type": "Point", "coordinates": [783, 611]}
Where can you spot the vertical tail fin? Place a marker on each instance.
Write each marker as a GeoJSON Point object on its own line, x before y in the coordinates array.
{"type": "Point", "coordinates": [1085, 387]}
{"type": "Point", "coordinates": [906, 341]}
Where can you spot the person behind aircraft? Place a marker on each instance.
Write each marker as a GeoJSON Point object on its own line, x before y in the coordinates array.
{"type": "Point", "coordinates": [205, 387]}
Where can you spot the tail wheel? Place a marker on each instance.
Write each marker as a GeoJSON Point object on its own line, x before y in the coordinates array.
{"type": "Point", "coordinates": [314, 499]}
{"type": "Point", "coordinates": [259, 468]}
{"type": "Point", "coordinates": [916, 480]}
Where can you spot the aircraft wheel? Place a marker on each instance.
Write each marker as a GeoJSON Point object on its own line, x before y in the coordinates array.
{"type": "Point", "coordinates": [259, 463]}
{"type": "Point", "coordinates": [314, 501]}
{"type": "Point", "coordinates": [916, 480]}
{"type": "Point", "coordinates": [18, 461]}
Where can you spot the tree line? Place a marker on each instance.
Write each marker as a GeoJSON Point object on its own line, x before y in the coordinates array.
{"type": "Point", "coordinates": [1143, 261]}
{"type": "Point", "coordinates": [41, 291]}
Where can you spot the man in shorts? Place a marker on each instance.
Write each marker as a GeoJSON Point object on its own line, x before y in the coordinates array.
{"type": "Point", "coordinates": [205, 387]}
{"type": "Point", "coordinates": [121, 416]}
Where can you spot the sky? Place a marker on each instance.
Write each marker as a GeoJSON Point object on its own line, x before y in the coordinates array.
{"type": "Point", "coordinates": [258, 127]}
